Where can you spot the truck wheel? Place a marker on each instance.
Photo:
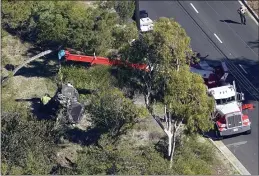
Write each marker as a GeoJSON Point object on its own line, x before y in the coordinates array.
{"type": "Point", "coordinates": [248, 132]}
{"type": "Point", "coordinates": [218, 136]}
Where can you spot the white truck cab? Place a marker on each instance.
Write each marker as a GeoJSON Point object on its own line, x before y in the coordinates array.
{"type": "Point", "coordinates": [229, 118]}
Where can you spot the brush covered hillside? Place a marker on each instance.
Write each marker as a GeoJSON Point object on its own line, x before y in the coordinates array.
{"type": "Point", "coordinates": [119, 131]}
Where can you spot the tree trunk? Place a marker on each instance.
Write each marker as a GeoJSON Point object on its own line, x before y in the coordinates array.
{"type": "Point", "coordinates": [28, 61]}
{"type": "Point", "coordinates": [173, 148]}
{"type": "Point", "coordinates": [169, 144]}
{"type": "Point", "coordinates": [32, 59]}
{"type": "Point", "coordinates": [147, 97]}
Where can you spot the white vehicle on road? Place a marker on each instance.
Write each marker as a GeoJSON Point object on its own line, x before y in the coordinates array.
{"type": "Point", "coordinates": [146, 24]}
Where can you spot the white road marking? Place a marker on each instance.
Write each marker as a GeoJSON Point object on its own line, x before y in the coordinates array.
{"type": "Point", "coordinates": [194, 8]}
{"type": "Point", "coordinates": [218, 38]}
{"type": "Point", "coordinates": [242, 68]}
{"type": "Point", "coordinates": [236, 144]}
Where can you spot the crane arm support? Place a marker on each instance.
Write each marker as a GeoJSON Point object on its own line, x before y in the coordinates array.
{"type": "Point", "coordinates": [99, 60]}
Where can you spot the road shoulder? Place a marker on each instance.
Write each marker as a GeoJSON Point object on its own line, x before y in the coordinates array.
{"type": "Point", "coordinates": [230, 157]}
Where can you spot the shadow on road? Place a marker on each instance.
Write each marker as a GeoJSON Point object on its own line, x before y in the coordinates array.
{"type": "Point", "coordinates": [230, 21]}
{"type": "Point", "coordinates": [253, 44]}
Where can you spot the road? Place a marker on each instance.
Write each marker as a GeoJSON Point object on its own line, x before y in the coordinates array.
{"type": "Point", "coordinates": [214, 29]}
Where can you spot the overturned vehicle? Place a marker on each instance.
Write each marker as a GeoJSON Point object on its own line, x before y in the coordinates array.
{"type": "Point", "coordinates": [66, 105]}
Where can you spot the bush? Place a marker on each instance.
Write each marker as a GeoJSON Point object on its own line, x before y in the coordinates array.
{"type": "Point", "coordinates": [26, 144]}
{"type": "Point", "coordinates": [193, 157]}
{"type": "Point", "coordinates": [68, 24]}
{"type": "Point", "coordinates": [121, 159]}
{"type": "Point", "coordinates": [96, 77]}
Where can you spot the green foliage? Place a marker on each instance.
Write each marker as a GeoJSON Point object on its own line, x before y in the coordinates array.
{"type": "Point", "coordinates": [187, 98]}
{"type": "Point", "coordinates": [112, 112]}
{"type": "Point", "coordinates": [66, 23]}
{"type": "Point", "coordinates": [161, 47]}
{"type": "Point", "coordinates": [194, 158]}
{"type": "Point", "coordinates": [123, 34]}
{"type": "Point", "coordinates": [15, 14]}
{"type": "Point", "coordinates": [27, 144]}
{"type": "Point", "coordinates": [124, 9]}
{"type": "Point", "coordinates": [165, 49]}
{"type": "Point", "coordinates": [102, 40]}
{"type": "Point", "coordinates": [95, 78]}
{"type": "Point", "coordinates": [121, 159]}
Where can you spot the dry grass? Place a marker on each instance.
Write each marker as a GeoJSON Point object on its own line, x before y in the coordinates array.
{"type": "Point", "coordinates": [13, 50]}
{"type": "Point", "coordinates": [254, 5]}
{"type": "Point", "coordinates": [69, 152]}
{"type": "Point", "coordinates": [19, 87]}
{"type": "Point", "coordinates": [223, 166]}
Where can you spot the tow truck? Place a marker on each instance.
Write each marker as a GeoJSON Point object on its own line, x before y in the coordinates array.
{"type": "Point", "coordinates": [212, 76]}
{"type": "Point", "coordinates": [228, 115]}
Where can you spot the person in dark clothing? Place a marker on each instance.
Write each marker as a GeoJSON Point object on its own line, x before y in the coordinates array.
{"type": "Point", "coordinates": [242, 13]}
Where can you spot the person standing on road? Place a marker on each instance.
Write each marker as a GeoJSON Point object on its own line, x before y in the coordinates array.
{"type": "Point", "coordinates": [242, 13]}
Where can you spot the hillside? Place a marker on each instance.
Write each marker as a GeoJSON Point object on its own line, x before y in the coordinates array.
{"type": "Point", "coordinates": [117, 134]}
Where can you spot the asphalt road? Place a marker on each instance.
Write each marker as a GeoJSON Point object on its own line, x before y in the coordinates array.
{"type": "Point", "coordinates": [214, 29]}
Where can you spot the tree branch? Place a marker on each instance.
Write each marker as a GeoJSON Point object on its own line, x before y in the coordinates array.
{"type": "Point", "coordinates": [28, 61]}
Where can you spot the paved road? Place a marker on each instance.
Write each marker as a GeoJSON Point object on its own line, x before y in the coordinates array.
{"type": "Point", "coordinates": [214, 30]}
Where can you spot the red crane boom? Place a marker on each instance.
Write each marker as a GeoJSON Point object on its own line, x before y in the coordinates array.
{"type": "Point", "coordinates": [98, 60]}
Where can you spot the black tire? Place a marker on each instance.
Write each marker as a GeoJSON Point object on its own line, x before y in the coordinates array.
{"type": "Point", "coordinates": [248, 132]}
{"type": "Point", "coordinates": [217, 133]}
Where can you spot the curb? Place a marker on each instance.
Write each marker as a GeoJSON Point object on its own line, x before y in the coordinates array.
{"type": "Point", "coordinates": [252, 12]}
{"type": "Point", "coordinates": [230, 157]}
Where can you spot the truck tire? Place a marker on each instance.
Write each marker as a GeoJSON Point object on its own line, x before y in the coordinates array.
{"type": "Point", "coordinates": [217, 133]}
{"type": "Point", "coordinates": [249, 131]}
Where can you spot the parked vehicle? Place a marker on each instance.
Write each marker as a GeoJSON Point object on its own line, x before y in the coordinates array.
{"type": "Point", "coordinates": [146, 24]}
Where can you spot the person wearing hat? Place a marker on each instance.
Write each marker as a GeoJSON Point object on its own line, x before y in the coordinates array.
{"type": "Point", "coordinates": [242, 12]}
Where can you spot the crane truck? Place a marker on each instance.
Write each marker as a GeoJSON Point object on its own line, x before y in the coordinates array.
{"type": "Point", "coordinates": [228, 115]}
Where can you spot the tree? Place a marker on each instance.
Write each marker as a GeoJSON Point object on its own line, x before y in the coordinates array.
{"type": "Point", "coordinates": [112, 112]}
{"type": "Point", "coordinates": [169, 81]}
{"type": "Point", "coordinates": [160, 49]}
{"type": "Point", "coordinates": [125, 9]}
{"type": "Point", "coordinates": [121, 159]}
{"type": "Point", "coordinates": [15, 14]}
{"type": "Point", "coordinates": [185, 100]}
{"type": "Point", "coordinates": [104, 22]}
{"type": "Point", "coordinates": [124, 34]}
{"type": "Point", "coordinates": [27, 144]}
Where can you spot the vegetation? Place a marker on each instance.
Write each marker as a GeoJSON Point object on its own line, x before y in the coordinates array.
{"type": "Point", "coordinates": [27, 144]}
{"type": "Point", "coordinates": [167, 50]}
{"type": "Point", "coordinates": [32, 146]}
{"type": "Point", "coordinates": [67, 24]}
{"type": "Point", "coordinates": [113, 112]}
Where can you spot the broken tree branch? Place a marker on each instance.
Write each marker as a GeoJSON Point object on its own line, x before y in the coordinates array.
{"type": "Point", "coordinates": [28, 61]}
